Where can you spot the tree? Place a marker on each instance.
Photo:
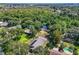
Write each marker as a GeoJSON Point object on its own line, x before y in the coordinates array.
{"type": "Point", "coordinates": [57, 36]}
{"type": "Point", "coordinates": [40, 51]}
{"type": "Point", "coordinates": [15, 48]}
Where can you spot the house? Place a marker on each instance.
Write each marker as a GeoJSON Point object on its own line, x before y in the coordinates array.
{"type": "Point", "coordinates": [73, 13]}
{"type": "Point", "coordinates": [58, 11]}
{"type": "Point", "coordinates": [28, 31]}
{"type": "Point", "coordinates": [55, 51]}
{"type": "Point", "coordinates": [42, 33]}
{"type": "Point", "coordinates": [67, 40]}
{"type": "Point", "coordinates": [45, 28]}
{"type": "Point", "coordinates": [72, 34]}
{"type": "Point", "coordinates": [40, 41]}
{"type": "Point", "coordinates": [14, 27]}
{"type": "Point", "coordinates": [3, 24]}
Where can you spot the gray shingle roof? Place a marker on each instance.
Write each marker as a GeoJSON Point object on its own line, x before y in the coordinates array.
{"type": "Point", "coordinates": [39, 41]}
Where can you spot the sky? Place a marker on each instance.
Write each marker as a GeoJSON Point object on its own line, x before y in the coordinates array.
{"type": "Point", "coordinates": [39, 1]}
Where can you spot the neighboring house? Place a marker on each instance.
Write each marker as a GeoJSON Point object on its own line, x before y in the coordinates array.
{"type": "Point", "coordinates": [3, 24]}
{"type": "Point", "coordinates": [45, 28]}
{"type": "Point", "coordinates": [67, 40]}
{"type": "Point", "coordinates": [40, 41]}
{"type": "Point", "coordinates": [71, 35]}
{"type": "Point", "coordinates": [73, 13]}
{"type": "Point", "coordinates": [58, 11]}
{"type": "Point", "coordinates": [42, 33]}
{"type": "Point", "coordinates": [14, 27]}
{"type": "Point", "coordinates": [55, 51]}
{"type": "Point", "coordinates": [28, 31]}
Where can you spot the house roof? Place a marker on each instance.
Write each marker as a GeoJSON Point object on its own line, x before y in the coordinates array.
{"type": "Point", "coordinates": [14, 27]}
{"type": "Point", "coordinates": [42, 33]}
{"type": "Point", "coordinates": [27, 31]}
{"type": "Point", "coordinates": [45, 28]}
{"type": "Point", "coordinates": [3, 23]}
{"type": "Point", "coordinates": [38, 42]}
{"type": "Point", "coordinates": [55, 51]}
{"type": "Point", "coordinates": [67, 40]}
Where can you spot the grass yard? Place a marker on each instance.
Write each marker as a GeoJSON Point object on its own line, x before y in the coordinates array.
{"type": "Point", "coordinates": [24, 38]}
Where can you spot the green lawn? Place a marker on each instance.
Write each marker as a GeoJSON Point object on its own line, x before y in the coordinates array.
{"type": "Point", "coordinates": [24, 38]}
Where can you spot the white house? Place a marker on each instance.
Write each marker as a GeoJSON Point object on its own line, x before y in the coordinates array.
{"type": "Point", "coordinates": [3, 23]}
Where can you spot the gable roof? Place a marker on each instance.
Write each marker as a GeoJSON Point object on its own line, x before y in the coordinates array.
{"type": "Point", "coordinates": [38, 42]}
